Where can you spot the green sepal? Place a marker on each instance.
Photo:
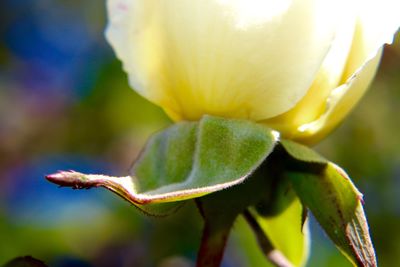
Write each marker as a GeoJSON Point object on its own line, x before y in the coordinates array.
{"type": "Point", "coordinates": [193, 159]}
{"type": "Point", "coordinates": [221, 209]}
{"type": "Point", "coordinates": [228, 204]}
{"type": "Point", "coordinates": [287, 231]}
{"type": "Point", "coordinates": [328, 192]}
{"type": "Point", "coordinates": [185, 161]}
{"type": "Point", "coordinates": [268, 197]}
{"type": "Point", "coordinates": [282, 217]}
{"type": "Point", "coordinates": [190, 159]}
{"type": "Point", "coordinates": [302, 153]}
{"type": "Point", "coordinates": [279, 195]}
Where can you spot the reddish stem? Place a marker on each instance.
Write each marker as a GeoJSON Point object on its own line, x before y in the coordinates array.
{"type": "Point", "coordinates": [213, 245]}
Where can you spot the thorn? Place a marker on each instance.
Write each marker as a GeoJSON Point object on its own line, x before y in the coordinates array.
{"type": "Point", "coordinates": [360, 197]}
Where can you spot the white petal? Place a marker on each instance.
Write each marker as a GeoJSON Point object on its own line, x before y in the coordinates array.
{"type": "Point", "coordinates": [376, 25]}
{"type": "Point", "coordinates": [250, 59]}
{"type": "Point", "coordinates": [329, 76]}
{"type": "Point", "coordinates": [378, 22]}
{"type": "Point", "coordinates": [340, 103]}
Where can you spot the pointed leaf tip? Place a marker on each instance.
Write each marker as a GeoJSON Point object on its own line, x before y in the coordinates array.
{"type": "Point", "coordinates": [336, 204]}
{"type": "Point", "coordinates": [327, 191]}
{"type": "Point", "coordinates": [186, 161]}
{"type": "Point", "coordinates": [72, 179]}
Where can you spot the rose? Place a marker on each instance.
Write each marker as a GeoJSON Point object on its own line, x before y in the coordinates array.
{"type": "Point", "coordinates": [298, 66]}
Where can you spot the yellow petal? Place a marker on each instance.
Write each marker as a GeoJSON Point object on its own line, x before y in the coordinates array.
{"type": "Point", "coordinates": [340, 103]}
{"type": "Point", "coordinates": [328, 78]}
{"type": "Point", "coordinates": [251, 59]}
{"type": "Point", "coordinates": [378, 21]}
{"type": "Point", "coordinates": [376, 24]}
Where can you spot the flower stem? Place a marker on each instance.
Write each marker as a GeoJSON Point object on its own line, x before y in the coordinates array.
{"type": "Point", "coordinates": [273, 255]}
{"type": "Point", "coordinates": [212, 244]}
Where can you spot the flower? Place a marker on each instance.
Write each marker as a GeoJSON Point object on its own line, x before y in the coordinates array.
{"type": "Point", "coordinates": [298, 66]}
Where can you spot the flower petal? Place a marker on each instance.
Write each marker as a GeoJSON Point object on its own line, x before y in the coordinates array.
{"type": "Point", "coordinates": [340, 103]}
{"type": "Point", "coordinates": [378, 21]}
{"type": "Point", "coordinates": [328, 78]}
{"type": "Point", "coordinates": [376, 25]}
{"type": "Point", "coordinates": [250, 59]}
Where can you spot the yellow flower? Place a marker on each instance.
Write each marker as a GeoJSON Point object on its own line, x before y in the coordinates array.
{"type": "Point", "coordinates": [298, 66]}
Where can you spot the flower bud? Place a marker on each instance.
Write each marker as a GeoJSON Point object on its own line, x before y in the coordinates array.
{"type": "Point", "coordinates": [298, 66]}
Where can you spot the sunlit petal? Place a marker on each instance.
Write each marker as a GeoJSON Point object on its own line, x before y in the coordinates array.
{"type": "Point", "coordinates": [329, 77]}
{"type": "Point", "coordinates": [340, 103]}
{"type": "Point", "coordinates": [377, 23]}
{"type": "Point", "coordinates": [217, 57]}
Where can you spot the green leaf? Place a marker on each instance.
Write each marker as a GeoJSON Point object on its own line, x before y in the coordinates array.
{"type": "Point", "coordinates": [276, 219]}
{"type": "Point", "coordinates": [288, 233]}
{"type": "Point", "coordinates": [333, 199]}
{"type": "Point", "coordinates": [282, 217]}
{"type": "Point", "coordinates": [279, 195]}
{"type": "Point", "coordinates": [277, 211]}
{"type": "Point", "coordinates": [190, 160]}
{"type": "Point", "coordinates": [337, 206]}
{"type": "Point", "coordinates": [220, 209]}
{"type": "Point", "coordinates": [228, 204]}
{"type": "Point", "coordinates": [187, 160]}
{"type": "Point", "coordinates": [285, 232]}
{"type": "Point", "coordinates": [302, 153]}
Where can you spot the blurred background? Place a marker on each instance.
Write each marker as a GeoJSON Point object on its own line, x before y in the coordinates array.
{"type": "Point", "coordinates": [65, 104]}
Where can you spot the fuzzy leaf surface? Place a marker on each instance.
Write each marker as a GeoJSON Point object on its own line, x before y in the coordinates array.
{"type": "Point", "coordinates": [336, 203]}
{"type": "Point", "coordinates": [193, 159]}
{"type": "Point", "coordinates": [185, 161]}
